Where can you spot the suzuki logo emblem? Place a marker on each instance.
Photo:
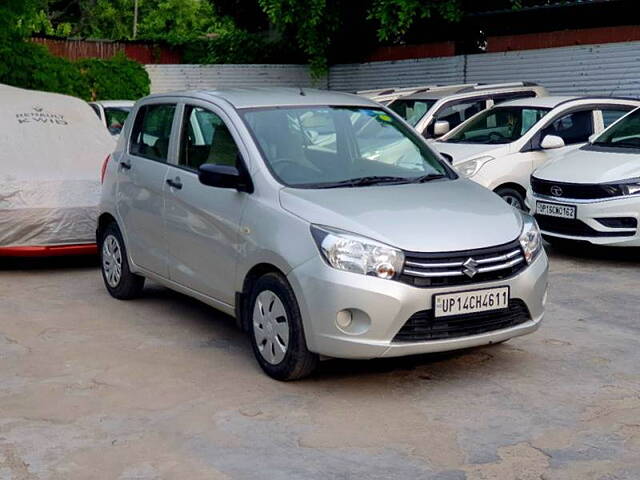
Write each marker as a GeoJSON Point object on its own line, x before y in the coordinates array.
{"type": "Point", "coordinates": [470, 268]}
{"type": "Point", "coordinates": [556, 191]}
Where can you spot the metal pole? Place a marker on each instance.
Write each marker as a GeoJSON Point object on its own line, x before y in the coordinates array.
{"type": "Point", "coordinates": [135, 18]}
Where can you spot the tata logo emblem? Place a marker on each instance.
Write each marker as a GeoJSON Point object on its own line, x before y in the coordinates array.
{"type": "Point", "coordinates": [556, 191]}
{"type": "Point", "coordinates": [470, 267]}
{"type": "Point", "coordinates": [38, 108]}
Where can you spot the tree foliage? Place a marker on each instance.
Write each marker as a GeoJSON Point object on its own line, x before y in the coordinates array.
{"type": "Point", "coordinates": [28, 65]}
{"type": "Point", "coordinates": [313, 21]}
{"type": "Point", "coordinates": [238, 31]}
{"type": "Point", "coordinates": [395, 17]}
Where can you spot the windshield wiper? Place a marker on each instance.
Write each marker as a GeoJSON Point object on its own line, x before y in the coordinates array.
{"type": "Point", "coordinates": [366, 181]}
{"type": "Point", "coordinates": [427, 178]}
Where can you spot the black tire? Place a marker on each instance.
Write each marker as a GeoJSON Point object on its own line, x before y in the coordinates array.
{"type": "Point", "coordinates": [512, 196]}
{"type": "Point", "coordinates": [298, 361]}
{"type": "Point", "coordinates": [129, 285]}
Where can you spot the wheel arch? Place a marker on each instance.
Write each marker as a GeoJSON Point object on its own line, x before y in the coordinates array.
{"type": "Point", "coordinates": [513, 185]}
{"type": "Point", "coordinates": [243, 296]}
{"type": "Point", "coordinates": [103, 221]}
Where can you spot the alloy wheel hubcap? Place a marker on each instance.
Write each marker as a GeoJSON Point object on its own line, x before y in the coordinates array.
{"type": "Point", "coordinates": [112, 260]}
{"type": "Point", "coordinates": [270, 327]}
{"type": "Point", "coordinates": [513, 201]}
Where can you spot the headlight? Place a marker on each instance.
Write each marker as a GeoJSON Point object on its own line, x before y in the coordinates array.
{"type": "Point", "coordinates": [631, 187]}
{"type": "Point", "coordinates": [471, 167]}
{"type": "Point", "coordinates": [353, 253]}
{"type": "Point", "coordinates": [530, 238]}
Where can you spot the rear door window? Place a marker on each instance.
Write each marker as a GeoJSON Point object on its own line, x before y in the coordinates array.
{"type": "Point", "coordinates": [152, 132]}
{"type": "Point", "coordinates": [610, 116]}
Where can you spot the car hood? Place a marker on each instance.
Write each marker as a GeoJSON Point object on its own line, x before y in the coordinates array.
{"type": "Point", "coordinates": [438, 216]}
{"type": "Point", "coordinates": [464, 151]}
{"type": "Point", "coordinates": [591, 165]}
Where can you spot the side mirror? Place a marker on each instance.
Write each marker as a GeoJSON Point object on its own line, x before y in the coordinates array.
{"type": "Point", "coordinates": [224, 176]}
{"type": "Point", "coordinates": [549, 142]}
{"type": "Point", "coordinates": [440, 128]}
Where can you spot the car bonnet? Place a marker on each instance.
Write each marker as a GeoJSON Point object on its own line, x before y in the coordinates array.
{"type": "Point", "coordinates": [438, 216]}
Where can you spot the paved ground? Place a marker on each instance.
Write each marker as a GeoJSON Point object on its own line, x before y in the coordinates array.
{"type": "Point", "coordinates": [164, 387]}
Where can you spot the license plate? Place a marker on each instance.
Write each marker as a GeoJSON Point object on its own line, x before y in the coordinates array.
{"type": "Point", "coordinates": [472, 301]}
{"type": "Point", "coordinates": [555, 210]}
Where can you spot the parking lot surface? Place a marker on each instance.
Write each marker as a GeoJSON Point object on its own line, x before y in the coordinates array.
{"type": "Point", "coordinates": [166, 387]}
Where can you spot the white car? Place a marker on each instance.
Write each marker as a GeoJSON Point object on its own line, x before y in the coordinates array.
{"type": "Point", "coordinates": [385, 96]}
{"type": "Point", "coordinates": [500, 147]}
{"type": "Point", "coordinates": [113, 113]}
{"type": "Point", "coordinates": [593, 194]}
{"type": "Point", "coordinates": [434, 111]}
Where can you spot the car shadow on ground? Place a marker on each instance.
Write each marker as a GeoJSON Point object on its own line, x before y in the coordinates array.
{"type": "Point", "coordinates": [594, 253]}
{"type": "Point", "coordinates": [219, 331]}
{"type": "Point", "coordinates": [49, 263]}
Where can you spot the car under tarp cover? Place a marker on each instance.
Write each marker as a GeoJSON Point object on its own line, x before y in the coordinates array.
{"type": "Point", "coordinates": [51, 150]}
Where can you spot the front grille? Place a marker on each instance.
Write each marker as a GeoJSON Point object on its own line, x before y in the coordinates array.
{"type": "Point", "coordinates": [442, 269]}
{"type": "Point", "coordinates": [424, 326]}
{"type": "Point", "coordinates": [574, 228]}
{"type": "Point", "coordinates": [584, 191]}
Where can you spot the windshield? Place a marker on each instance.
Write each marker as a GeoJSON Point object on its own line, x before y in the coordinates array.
{"type": "Point", "coordinates": [412, 110]}
{"type": "Point", "coordinates": [624, 134]}
{"type": "Point", "coordinates": [499, 125]}
{"type": "Point", "coordinates": [115, 117]}
{"type": "Point", "coordinates": [325, 147]}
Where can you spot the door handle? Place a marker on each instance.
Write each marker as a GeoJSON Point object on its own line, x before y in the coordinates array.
{"type": "Point", "coordinates": [176, 183]}
{"type": "Point", "coordinates": [125, 165]}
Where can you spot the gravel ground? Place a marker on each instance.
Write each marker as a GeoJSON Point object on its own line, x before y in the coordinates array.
{"type": "Point", "coordinates": [166, 388]}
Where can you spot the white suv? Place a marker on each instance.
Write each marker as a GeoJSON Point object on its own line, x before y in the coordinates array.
{"type": "Point", "coordinates": [500, 147]}
{"type": "Point", "coordinates": [434, 111]}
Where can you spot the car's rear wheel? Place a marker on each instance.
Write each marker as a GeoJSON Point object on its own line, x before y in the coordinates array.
{"type": "Point", "coordinates": [118, 278]}
{"type": "Point", "coordinates": [512, 196]}
{"type": "Point", "coordinates": [276, 331]}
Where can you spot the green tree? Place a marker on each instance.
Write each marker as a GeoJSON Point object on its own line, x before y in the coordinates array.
{"type": "Point", "coordinates": [395, 17]}
{"type": "Point", "coordinates": [172, 21]}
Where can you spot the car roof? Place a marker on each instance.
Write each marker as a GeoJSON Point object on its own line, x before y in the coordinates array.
{"type": "Point", "coordinates": [554, 101]}
{"type": "Point", "coordinates": [276, 96]}
{"type": "Point", "coordinates": [472, 90]}
{"type": "Point", "coordinates": [115, 103]}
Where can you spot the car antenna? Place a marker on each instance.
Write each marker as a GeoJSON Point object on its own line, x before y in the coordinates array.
{"type": "Point", "coordinates": [302, 92]}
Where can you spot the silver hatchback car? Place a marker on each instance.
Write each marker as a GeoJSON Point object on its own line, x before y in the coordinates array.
{"type": "Point", "coordinates": [321, 221]}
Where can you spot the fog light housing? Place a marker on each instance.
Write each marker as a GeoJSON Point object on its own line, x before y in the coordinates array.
{"type": "Point", "coordinates": [344, 319]}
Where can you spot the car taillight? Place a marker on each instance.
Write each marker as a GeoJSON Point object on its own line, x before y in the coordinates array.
{"type": "Point", "coordinates": [103, 170]}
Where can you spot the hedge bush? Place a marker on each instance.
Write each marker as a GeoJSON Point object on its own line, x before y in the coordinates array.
{"type": "Point", "coordinates": [27, 65]}
{"type": "Point", "coordinates": [116, 78]}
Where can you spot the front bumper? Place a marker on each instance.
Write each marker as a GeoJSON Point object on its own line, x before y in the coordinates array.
{"type": "Point", "coordinates": [382, 307]}
{"type": "Point", "coordinates": [588, 211]}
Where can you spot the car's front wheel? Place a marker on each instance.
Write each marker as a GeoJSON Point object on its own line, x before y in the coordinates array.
{"type": "Point", "coordinates": [512, 196]}
{"type": "Point", "coordinates": [118, 278]}
{"type": "Point", "coordinates": [276, 330]}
